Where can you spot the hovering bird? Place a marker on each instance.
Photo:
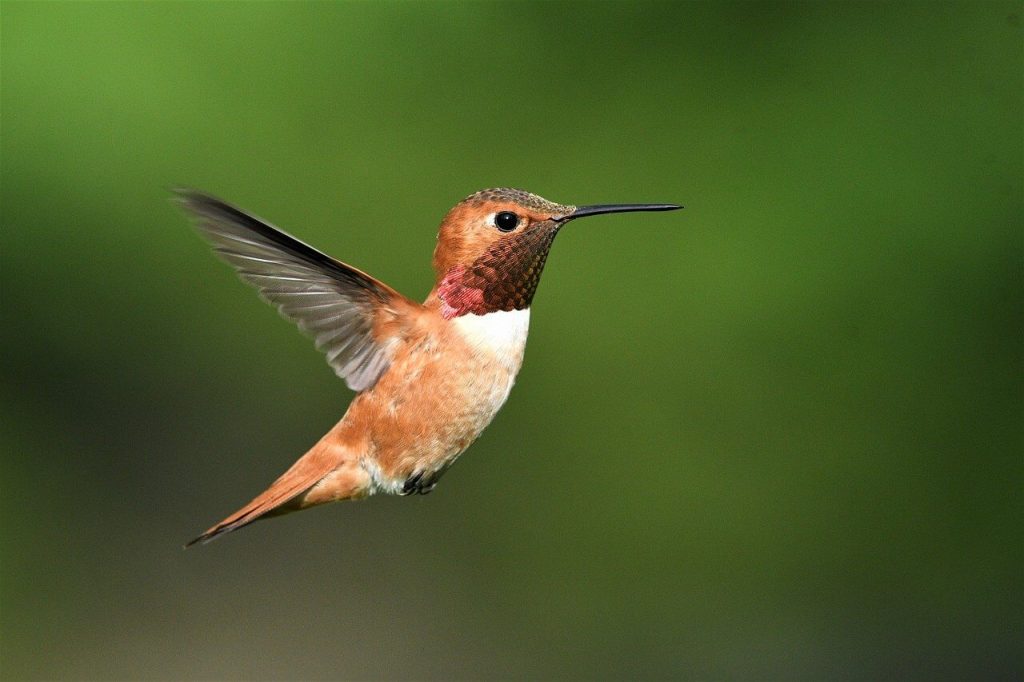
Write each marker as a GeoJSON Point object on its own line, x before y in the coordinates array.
{"type": "Point", "coordinates": [429, 376]}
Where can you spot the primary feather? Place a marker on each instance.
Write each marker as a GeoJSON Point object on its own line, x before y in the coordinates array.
{"type": "Point", "coordinates": [336, 304]}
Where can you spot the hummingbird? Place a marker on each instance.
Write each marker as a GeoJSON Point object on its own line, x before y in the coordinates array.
{"type": "Point", "coordinates": [428, 377]}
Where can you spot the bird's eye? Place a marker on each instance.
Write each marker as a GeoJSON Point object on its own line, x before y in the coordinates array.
{"type": "Point", "coordinates": [506, 221]}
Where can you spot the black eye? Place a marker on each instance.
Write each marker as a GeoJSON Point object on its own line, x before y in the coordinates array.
{"type": "Point", "coordinates": [506, 221]}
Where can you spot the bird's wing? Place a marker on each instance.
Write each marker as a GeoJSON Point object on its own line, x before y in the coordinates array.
{"type": "Point", "coordinates": [355, 319]}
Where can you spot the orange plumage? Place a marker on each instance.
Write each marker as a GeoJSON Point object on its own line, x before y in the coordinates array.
{"type": "Point", "coordinates": [430, 377]}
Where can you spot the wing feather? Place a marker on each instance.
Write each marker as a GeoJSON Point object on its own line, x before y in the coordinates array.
{"type": "Point", "coordinates": [336, 304]}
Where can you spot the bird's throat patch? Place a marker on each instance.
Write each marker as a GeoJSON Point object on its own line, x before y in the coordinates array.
{"type": "Point", "coordinates": [505, 277]}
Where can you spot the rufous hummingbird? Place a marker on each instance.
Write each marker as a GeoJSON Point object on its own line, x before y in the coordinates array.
{"type": "Point", "coordinates": [429, 377]}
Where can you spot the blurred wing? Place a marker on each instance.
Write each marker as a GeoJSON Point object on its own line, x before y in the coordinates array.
{"type": "Point", "coordinates": [339, 306]}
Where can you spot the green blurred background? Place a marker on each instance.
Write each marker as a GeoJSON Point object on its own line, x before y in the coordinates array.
{"type": "Point", "coordinates": [775, 435]}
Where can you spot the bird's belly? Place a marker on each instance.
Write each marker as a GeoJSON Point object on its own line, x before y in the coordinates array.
{"type": "Point", "coordinates": [428, 409]}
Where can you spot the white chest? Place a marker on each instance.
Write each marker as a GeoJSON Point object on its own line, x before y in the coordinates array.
{"type": "Point", "coordinates": [501, 334]}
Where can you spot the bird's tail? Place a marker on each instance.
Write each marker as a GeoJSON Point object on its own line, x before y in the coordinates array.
{"type": "Point", "coordinates": [327, 473]}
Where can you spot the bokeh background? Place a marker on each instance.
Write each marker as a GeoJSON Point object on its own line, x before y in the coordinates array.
{"type": "Point", "coordinates": [777, 435]}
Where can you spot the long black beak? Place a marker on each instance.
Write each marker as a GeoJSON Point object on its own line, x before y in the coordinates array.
{"type": "Point", "coordinates": [584, 211]}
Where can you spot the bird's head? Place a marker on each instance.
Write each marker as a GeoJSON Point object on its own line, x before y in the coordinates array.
{"type": "Point", "coordinates": [492, 246]}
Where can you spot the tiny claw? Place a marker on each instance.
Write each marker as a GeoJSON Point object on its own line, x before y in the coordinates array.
{"type": "Point", "coordinates": [411, 484]}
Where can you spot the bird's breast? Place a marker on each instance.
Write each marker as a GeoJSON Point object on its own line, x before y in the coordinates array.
{"type": "Point", "coordinates": [440, 393]}
{"type": "Point", "coordinates": [501, 334]}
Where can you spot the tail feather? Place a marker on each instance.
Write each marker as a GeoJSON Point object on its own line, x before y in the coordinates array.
{"type": "Point", "coordinates": [254, 511]}
{"type": "Point", "coordinates": [326, 473]}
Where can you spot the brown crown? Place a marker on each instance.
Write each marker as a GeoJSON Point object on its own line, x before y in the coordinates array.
{"type": "Point", "coordinates": [520, 198]}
